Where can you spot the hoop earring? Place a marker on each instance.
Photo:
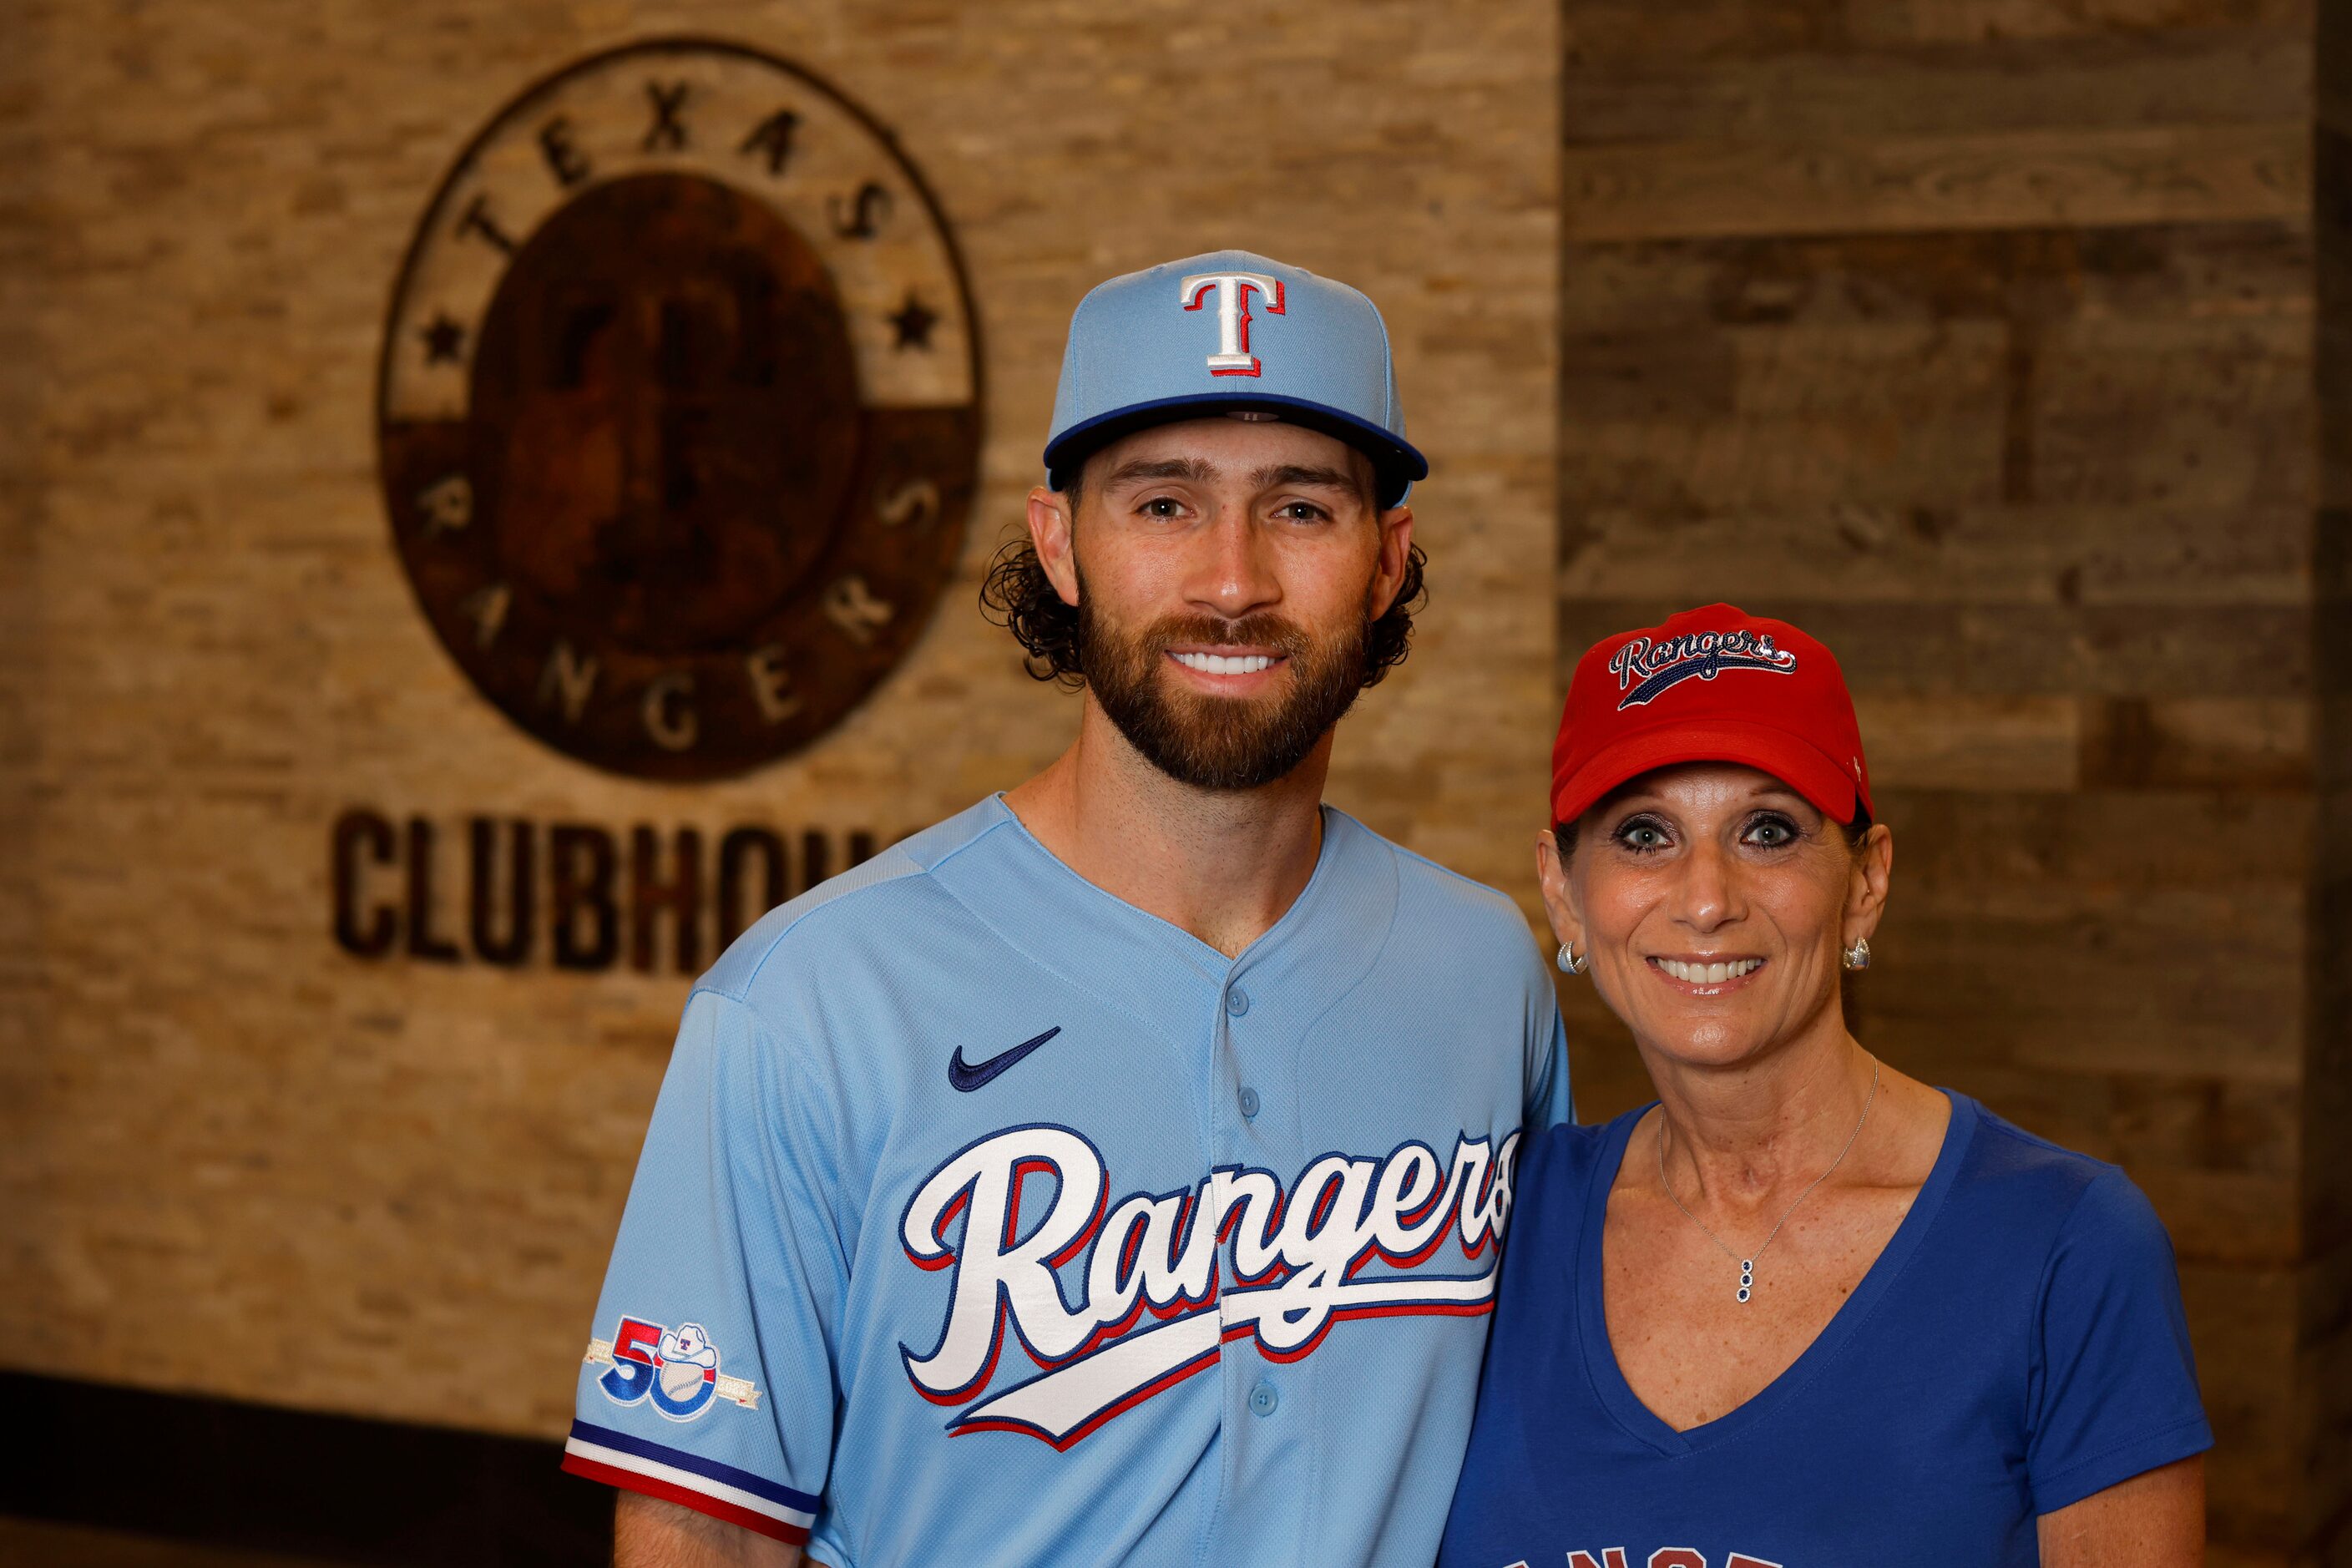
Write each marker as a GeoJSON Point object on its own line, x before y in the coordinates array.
{"type": "Point", "coordinates": [1569, 963]}
{"type": "Point", "coordinates": [1858, 955]}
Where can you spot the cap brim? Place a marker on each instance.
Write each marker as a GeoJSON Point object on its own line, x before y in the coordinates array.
{"type": "Point", "coordinates": [1796, 762]}
{"type": "Point", "coordinates": [1396, 463]}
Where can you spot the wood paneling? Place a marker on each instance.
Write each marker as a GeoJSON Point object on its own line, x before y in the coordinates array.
{"type": "Point", "coordinates": [22, 367]}
{"type": "Point", "coordinates": [1626, 32]}
{"type": "Point", "coordinates": [1980, 339]}
{"type": "Point", "coordinates": [2326, 1360]}
{"type": "Point", "coordinates": [2110, 81]}
{"type": "Point", "coordinates": [2001, 181]}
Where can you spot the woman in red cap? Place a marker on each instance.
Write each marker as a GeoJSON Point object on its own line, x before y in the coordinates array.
{"type": "Point", "coordinates": [1805, 1309]}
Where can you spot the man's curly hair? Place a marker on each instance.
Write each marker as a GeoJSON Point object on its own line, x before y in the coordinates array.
{"type": "Point", "coordinates": [1018, 596]}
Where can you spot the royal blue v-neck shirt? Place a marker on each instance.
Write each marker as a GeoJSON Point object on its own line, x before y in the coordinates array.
{"type": "Point", "coordinates": [2019, 1346]}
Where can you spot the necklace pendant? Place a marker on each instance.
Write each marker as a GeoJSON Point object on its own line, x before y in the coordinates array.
{"type": "Point", "coordinates": [1747, 1265]}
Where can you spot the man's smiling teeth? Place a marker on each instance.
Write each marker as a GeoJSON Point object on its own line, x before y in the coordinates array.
{"type": "Point", "coordinates": [1220, 664]}
{"type": "Point", "coordinates": [1708, 973]}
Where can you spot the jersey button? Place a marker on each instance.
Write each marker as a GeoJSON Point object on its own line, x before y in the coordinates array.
{"type": "Point", "coordinates": [1249, 1105]}
{"type": "Point", "coordinates": [1237, 1001]}
{"type": "Point", "coordinates": [1263, 1399]}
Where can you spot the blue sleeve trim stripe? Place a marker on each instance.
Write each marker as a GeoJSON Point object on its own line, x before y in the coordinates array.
{"type": "Point", "coordinates": [728, 1475]}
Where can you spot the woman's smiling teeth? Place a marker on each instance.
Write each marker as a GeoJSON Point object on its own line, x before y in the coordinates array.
{"type": "Point", "coordinates": [1708, 973]}
{"type": "Point", "coordinates": [1222, 664]}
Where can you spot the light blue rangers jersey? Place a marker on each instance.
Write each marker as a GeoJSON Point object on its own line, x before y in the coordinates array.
{"type": "Point", "coordinates": [986, 1219]}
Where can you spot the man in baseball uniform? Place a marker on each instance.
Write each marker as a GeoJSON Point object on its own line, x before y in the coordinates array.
{"type": "Point", "coordinates": [1114, 1173]}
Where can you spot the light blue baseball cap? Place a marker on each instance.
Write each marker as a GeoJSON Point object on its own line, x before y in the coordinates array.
{"type": "Point", "coordinates": [1227, 331]}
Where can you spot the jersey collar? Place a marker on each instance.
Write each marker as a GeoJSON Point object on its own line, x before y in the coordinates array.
{"type": "Point", "coordinates": [1150, 969]}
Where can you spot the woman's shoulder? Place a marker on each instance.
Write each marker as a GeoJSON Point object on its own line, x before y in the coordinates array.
{"type": "Point", "coordinates": [2028, 1186]}
{"type": "Point", "coordinates": [2109, 1379]}
{"type": "Point", "coordinates": [1553, 1177]}
{"type": "Point", "coordinates": [1569, 1153]}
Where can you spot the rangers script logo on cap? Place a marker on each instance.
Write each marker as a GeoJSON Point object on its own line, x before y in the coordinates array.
{"type": "Point", "coordinates": [1659, 666]}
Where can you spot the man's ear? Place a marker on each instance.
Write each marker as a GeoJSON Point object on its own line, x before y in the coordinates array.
{"type": "Point", "coordinates": [1396, 552]}
{"type": "Point", "coordinates": [1050, 526]}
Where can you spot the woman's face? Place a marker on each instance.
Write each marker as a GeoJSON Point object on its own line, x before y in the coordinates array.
{"type": "Point", "coordinates": [1714, 901]}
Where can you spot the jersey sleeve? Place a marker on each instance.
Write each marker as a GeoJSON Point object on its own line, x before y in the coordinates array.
{"type": "Point", "coordinates": [2114, 1385]}
{"type": "Point", "coordinates": [1548, 1102]}
{"type": "Point", "coordinates": [709, 1376]}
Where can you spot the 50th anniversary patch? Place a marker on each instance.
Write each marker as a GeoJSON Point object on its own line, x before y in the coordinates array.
{"type": "Point", "coordinates": [678, 409]}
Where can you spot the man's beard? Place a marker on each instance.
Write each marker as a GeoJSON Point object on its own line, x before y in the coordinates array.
{"type": "Point", "coordinates": [1220, 742]}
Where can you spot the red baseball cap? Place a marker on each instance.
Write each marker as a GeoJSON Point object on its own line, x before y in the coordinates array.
{"type": "Point", "coordinates": [1712, 685]}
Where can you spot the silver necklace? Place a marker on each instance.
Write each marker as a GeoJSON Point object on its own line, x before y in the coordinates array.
{"type": "Point", "coordinates": [1747, 1265]}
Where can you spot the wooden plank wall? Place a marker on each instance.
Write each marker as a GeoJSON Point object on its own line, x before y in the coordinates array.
{"type": "Point", "coordinates": [2326, 1365]}
{"type": "Point", "coordinates": [1977, 336]}
{"type": "Point", "coordinates": [21, 375]}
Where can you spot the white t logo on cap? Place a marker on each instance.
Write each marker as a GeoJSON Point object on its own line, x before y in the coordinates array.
{"type": "Point", "coordinates": [1233, 356]}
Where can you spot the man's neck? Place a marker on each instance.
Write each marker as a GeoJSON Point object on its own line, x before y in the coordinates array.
{"type": "Point", "coordinates": [1222, 864]}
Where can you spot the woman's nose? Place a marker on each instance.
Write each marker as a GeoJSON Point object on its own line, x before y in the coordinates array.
{"type": "Point", "coordinates": [1705, 896]}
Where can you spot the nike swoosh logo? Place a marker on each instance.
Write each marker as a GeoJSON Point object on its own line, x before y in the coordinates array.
{"type": "Point", "coordinates": [968, 1076]}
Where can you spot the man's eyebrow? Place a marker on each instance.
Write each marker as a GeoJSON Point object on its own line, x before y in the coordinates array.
{"type": "Point", "coordinates": [1303, 474]}
{"type": "Point", "coordinates": [1198, 470]}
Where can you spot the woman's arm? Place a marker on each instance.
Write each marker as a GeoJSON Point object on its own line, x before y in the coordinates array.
{"type": "Point", "coordinates": [2152, 1520]}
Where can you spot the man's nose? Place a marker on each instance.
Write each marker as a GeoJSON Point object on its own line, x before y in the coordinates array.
{"type": "Point", "coordinates": [1235, 575]}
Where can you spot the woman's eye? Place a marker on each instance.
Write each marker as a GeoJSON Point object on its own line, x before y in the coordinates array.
{"type": "Point", "coordinates": [1641, 838]}
{"type": "Point", "coordinates": [1772, 833]}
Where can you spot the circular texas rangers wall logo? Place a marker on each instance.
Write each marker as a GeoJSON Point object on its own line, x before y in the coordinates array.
{"type": "Point", "coordinates": [679, 409]}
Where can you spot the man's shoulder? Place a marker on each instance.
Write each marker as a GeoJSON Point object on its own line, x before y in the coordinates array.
{"type": "Point", "coordinates": [1443, 910]}
{"type": "Point", "coordinates": [878, 905]}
